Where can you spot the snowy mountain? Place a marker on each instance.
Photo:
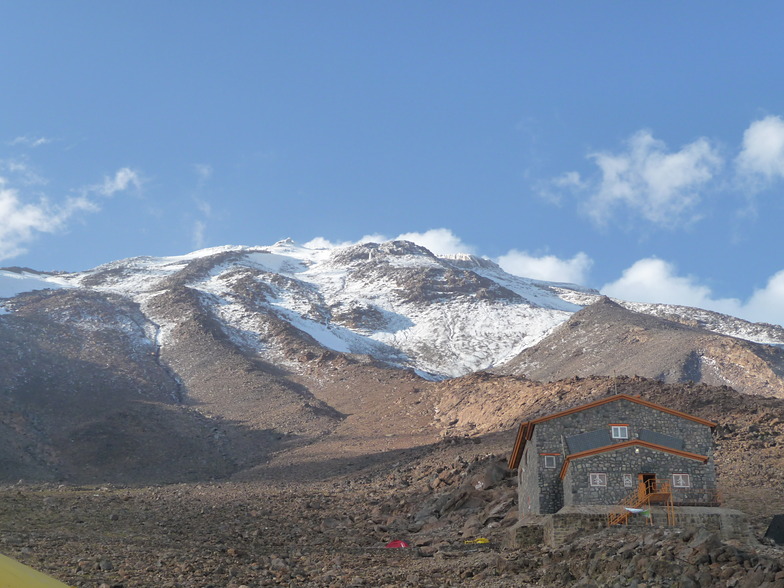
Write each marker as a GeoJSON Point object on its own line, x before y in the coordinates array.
{"type": "Point", "coordinates": [397, 302]}
{"type": "Point", "coordinates": [607, 338]}
{"type": "Point", "coordinates": [209, 364]}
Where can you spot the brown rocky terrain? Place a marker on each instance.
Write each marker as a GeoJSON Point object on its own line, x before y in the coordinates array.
{"type": "Point", "coordinates": [163, 370]}
{"type": "Point", "coordinates": [607, 339]}
{"type": "Point", "coordinates": [318, 519]}
{"type": "Point", "coordinates": [94, 403]}
{"type": "Point", "coordinates": [192, 431]}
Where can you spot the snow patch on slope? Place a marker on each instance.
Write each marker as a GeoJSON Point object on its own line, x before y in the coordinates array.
{"type": "Point", "coordinates": [13, 283]}
{"type": "Point", "coordinates": [723, 324]}
{"type": "Point", "coordinates": [375, 299]}
{"type": "Point", "coordinates": [315, 289]}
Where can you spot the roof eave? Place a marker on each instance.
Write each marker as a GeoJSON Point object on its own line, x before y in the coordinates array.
{"type": "Point", "coordinates": [627, 444]}
{"type": "Point", "coordinates": [523, 435]}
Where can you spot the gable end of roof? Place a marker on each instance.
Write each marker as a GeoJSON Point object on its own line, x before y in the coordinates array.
{"type": "Point", "coordinates": [525, 431]}
{"type": "Point", "coordinates": [627, 444]}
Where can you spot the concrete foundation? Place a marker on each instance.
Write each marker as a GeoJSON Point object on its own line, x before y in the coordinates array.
{"type": "Point", "coordinates": [559, 528]}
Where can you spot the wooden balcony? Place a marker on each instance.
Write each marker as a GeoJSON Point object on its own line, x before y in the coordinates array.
{"type": "Point", "coordinates": [653, 491]}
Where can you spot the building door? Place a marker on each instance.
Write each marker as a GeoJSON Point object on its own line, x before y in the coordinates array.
{"type": "Point", "coordinates": [646, 484]}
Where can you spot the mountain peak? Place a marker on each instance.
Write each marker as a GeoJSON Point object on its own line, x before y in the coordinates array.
{"type": "Point", "coordinates": [606, 302]}
{"type": "Point", "coordinates": [469, 261]}
{"type": "Point", "coordinates": [396, 301]}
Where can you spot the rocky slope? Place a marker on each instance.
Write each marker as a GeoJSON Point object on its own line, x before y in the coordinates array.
{"type": "Point", "coordinates": [608, 339]}
{"type": "Point", "coordinates": [305, 526]}
{"type": "Point", "coordinates": [396, 301]}
{"type": "Point", "coordinates": [333, 535]}
{"type": "Point", "coordinates": [211, 364]}
{"type": "Point", "coordinates": [303, 401]}
{"type": "Point", "coordinates": [95, 401]}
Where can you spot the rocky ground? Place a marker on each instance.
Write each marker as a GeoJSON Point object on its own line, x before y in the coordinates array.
{"type": "Point", "coordinates": [332, 531]}
{"type": "Point", "coordinates": [321, 515]}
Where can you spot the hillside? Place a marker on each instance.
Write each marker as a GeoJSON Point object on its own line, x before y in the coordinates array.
{"type": "Point", "coordinates": [607, 339]}
{"type": "Point", "coordinates": [325, 521]}
{"type": "Point", "coordinates": [218, 363]}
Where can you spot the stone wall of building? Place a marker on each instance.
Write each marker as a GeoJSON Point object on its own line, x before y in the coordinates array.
{"type": "Point", "coordinates": [549, 439]}
{"type": "Point", "coordinates": [577, 488]}
{"type": "Point", "coordinates": [528, 481]}
{"type": "Point", "coordinates": [573, 521]}
{"type": "Point", "coordinates": [697, 437]}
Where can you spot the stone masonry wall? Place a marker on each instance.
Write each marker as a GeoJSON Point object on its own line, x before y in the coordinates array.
{"type": "Point", "coordinates": [528, 489]}
{"type": "Point", "coordinates": [560, 529]}
{"type": "Point", "coordinates": [728, 524]}
{"type": "Point", "coordinates": [697, 438]}
{"type": "Point", "coordinates": [549, 438]}
{"type": "Point", "coordinates": [630, 460]}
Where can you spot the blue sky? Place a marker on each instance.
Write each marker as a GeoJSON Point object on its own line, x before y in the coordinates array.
{"type": "Point", "coordinates": [633, 147]}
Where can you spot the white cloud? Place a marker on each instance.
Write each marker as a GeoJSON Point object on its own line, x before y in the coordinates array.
{"type": "Point", "coordinates": [22, 172]}
{"type": "Point", "coordinates": [321, 243]}
{"type": "Point", "coordinates": [645, 180]}
{"type": "Point", "coordinates": [548, 268]}
{"type": "Point", "coordinates": [203, 170]}
{"type": "Point", "coordinates": [661, 187]}
{"type": "Point", "coordinates": [767, 304]}
{"type": "Point", "coordinates": [324, 243]}
{"type": "Point", "coordinates": [438, 241]}
{"type": "Point", "coordinates": [204, 207]}
{"type": "Point", "coordinates": [31, 142]}
{"type": "Point", "coordinates": [123, 179]}
{"type": "Point", "coordinates": [203, 173]}
{"type": "Point", "coordinates": [21, 222]}
{"type": "Point", "coordinates": [199, 226]}
{"type": "Point", "coordinates": [554, 189]}
{"type": "Point", "coordinates": [198, 234]}
{"type": "Point", "coordinates": [569, 180]}
{"type": "Point", "coordinates": [655, 280]}
{"type": "Point", "coordinates": [762, 153]}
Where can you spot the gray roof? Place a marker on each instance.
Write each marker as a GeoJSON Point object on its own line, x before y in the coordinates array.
{"type": "Point", "coordinates": [661, 439]}
{"type": "Point", "coordinates": [588, 441]}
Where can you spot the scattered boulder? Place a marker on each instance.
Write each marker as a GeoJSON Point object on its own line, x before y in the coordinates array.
{"type": "Point", "coordinates": [775, 530]}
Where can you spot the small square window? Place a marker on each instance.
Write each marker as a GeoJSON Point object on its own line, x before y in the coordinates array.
{"type": "Point", "coordinates": [549, 462]}
{"type": "Point", "coordinates": [681, 481]}
{"type": "Point", "coordinates": [598, 479]}
{"type": "Point", "coordinates": [620, 431]}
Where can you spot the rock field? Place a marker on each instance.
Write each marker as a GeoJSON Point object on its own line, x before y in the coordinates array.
{"type": "Point", "coordinates": [332, 532]}
{"type": "Point", "coordinates": [321, 514]}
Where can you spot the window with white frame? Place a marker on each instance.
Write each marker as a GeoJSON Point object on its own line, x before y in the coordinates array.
{"type": "Point", "coordinates": [598, 479]}
{"type": "Point", "coordinates": [681, 481]}
{"type": "Point", "coordinates": [549, 462]}
{"type": "Point", "coordinates": [619, 431]}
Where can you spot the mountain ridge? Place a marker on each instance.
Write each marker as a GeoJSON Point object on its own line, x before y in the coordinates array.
{"type": "Point", "coordinates": [606, 338]}
{"type": "Point", "coordinates": [220, 362]}
{"type": "Point", "coordinates": [358, 299]}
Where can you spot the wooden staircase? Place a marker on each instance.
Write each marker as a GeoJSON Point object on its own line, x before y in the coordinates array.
{"type": "Point", "coordinates": [648, 492]}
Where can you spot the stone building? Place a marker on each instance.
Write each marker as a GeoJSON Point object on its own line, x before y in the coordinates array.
{"type": "Point", "coordinates": [603, 452]}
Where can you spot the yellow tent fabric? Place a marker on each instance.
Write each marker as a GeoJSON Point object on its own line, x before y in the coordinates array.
{"type": "Point", "coordinates": [16, 575]}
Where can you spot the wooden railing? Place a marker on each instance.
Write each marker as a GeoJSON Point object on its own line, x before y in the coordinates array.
{"type": "Point", "coordinates": [661, 492]}
{"type": "Point", "coordinates": [696, 496]}
{"type": "Point", "coordinates": [648, 492]}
